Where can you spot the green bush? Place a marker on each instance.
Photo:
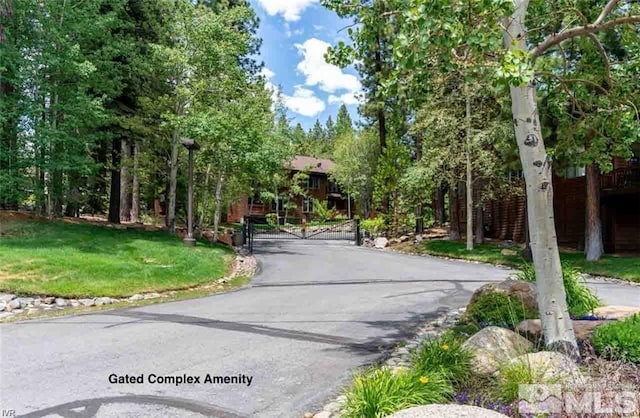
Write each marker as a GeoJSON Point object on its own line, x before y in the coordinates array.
{"type": "Point", "coordinates": [373, 225]}
{"type": "Point", "coordinates": [619, 340]}
{"type": "Point", "coordinates": [512, 375]}
{"type": "Point", "coordinates": [581, 300]}
{"type": "Point", "coordinates": [272, 219]}
{"type": "Point", "coordinates": [443, 355]}
{"type": "Point", "coordinates": [498, 309]}
{"type": "Point", "coordinates": [380, 392]}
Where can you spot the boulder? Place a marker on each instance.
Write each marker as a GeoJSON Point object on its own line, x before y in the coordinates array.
{"type": "Point", "coordinates": [404, 238]}
{"type": "Point", "coordinates": [13, 305]}
{"type": "Point", "coordinates": [507, 251]}
{"type": "Point", "coordinates": [136, 297]}
{"type": "Point", "coordinates": [61, 303]}
{"type": "Point", "coordinates": [583, 329]}
{"type": "Point", "coordinates": [380, 242]}
{"type": "Point", "coordinates": [87, 302]}
{"type": "Point", "coordinates": [617, 312]}
{"type": "Point", "coordinates": [532, 329]}
{"type": "Point", "coordinates": [3, 305]}
{"type": "Point", "coordinates": [49, 300]}
{"type": "Point", "coordinates": [7, 297]}
{"type": "Point", "coordinates": [493, 346]}
{"type": "Point", "coordinates": [523, 291]}
{"type": "Point", "coordinates": [447, 411]}
{"type": "Point", "coordinates": [550, 367]}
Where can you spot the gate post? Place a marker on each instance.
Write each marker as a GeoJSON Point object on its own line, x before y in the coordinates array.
{"type": "Point", "coordinates": [357, 228]}
{"type": "Point", "coordinates": [244, 230]}
{"type": "Point", "coordinates": [250, 231]}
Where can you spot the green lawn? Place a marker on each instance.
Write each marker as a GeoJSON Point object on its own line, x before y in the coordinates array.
{"type": "Point", "coordinates": [627, 268]}
{"type": "Point", "coordinates": [82, 260]}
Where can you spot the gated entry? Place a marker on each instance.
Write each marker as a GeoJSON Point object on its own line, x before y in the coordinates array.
{"type": "Point", "coordinates": [296, 229]}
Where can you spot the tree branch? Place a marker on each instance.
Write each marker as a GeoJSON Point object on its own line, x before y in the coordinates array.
{"type": "Point", "coordinates": [603, 54]}
{"type": "Point", "coordinates": [606, 11]}
{"type": "Point", "coordinates": [585, 30]}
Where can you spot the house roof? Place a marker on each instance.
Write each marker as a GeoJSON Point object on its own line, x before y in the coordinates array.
{"type": "Point", "coordinates": [315, 165]}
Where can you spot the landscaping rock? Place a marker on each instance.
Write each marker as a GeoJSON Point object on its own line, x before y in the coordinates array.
{"type": "Point", "coordinates": [583, 329]}
{"type": "Point", "coordinates": [551, 367]}
{"type": "Point", "coordinates": [308, 415]}
{"type": "Point", "coordinates": [404, 238]}
{"type": "Point", "coordinates": [49, 300]}
{"type": "Point", "coordinates": [617, 312]}
{"type": "Point", "coordinates": [152, 295]}
{"type": "Point", "coordinates": [136, 297]}
{"type": "Point", "coordinates": [61, 303]}
{"type": "Point", "coordinates": [87, 302]}
{"type": "Point", "coordinates": [3, 305]}
{"type": "Point", "coordinates": [493, 346]}
{"type": "Point", "coordinates": [531, 329]}
{"type": "Point", "coordinates": [507, 252]}
{"type": "Point", "coordinates": [7, 297]}
{"type": "Point", "coordinates": [13, 305]}
{"type": "Point", "coordinates": [26, 301]}
{"type": "Point", "coordinates": [521, 290]}
{"type": "Point", "coordinates": [323, 414]}
{"type": "Point", "coordinates": [381, 242]}
{"type": "Point", "coordinates": [447, 411]}
{"type": "Point", "coordinates": [37, 302]}
{"type": "Point", "coordinates": [74, 303]}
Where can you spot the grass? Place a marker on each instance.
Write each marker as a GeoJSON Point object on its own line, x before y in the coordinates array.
{"type": "Point", "coordinates": [83, 260]}
{"type": "Point", "coordinates": [626, 268]}
{"type": "Point", "coordinates": [381, 392]}
{"type": "Point", "coordinates": [443, 355]}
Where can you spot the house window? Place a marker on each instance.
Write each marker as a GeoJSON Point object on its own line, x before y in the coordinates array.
{"type": "Point", "coordinates": [307, 205]}
{"type": "Point", "coordinates": [573, 172]}
{"type": "Point", "coordinates": [314, 182]}
{"type": "Point", "coordinates": [333, 188]}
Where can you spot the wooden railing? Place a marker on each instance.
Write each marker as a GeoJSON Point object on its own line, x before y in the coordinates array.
{"type": "Point", "coordinates": [621, 178]}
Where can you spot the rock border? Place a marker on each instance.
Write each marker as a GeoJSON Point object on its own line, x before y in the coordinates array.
{"type": "Point", "coordinates": [13, 306]}
{"type": "Point", "coordinates": [399, 358]}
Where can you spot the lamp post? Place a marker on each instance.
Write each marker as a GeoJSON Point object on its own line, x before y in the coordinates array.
{"type": "Point", "coordinates": [192, 146]}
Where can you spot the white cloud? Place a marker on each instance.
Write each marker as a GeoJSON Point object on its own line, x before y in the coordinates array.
{"type": "Point", "coordinates": [318, 72]}
{"type": "Point", "coordinates": [290, 33]}
{"type": "Point", "coordinates": [303, 102]}
{"type": "Point", "coordinates": [347, 98]}
{"type": "Point", "coordinates": [267, 73]}
{"type": "Point", "coordinates": [289, 9]}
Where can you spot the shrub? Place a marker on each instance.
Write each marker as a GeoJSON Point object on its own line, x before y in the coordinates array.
{"type": "Point", "coordinates": [512, 375]}
{"type": "Point", "coordinates": [443, 355]}
{"type": "Point", "coordinates": [272, 219]}
{"type": "Point", "coordinates": [373, 226]}
{"type": "Point", "coordinates": [581, 301]}
{"type": "Point", "coordinates": [498, 309]}
{"type": "Point", "coordinates": [619, 340]}
{"type": "Point", "coordinates": [380, 392]}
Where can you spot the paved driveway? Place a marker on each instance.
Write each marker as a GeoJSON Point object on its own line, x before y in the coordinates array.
{"type": "Point", "coordinates": [315, 312]}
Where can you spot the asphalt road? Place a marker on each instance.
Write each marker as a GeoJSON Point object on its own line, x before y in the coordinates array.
{"type": "Point", "coordinates": [314, 314]}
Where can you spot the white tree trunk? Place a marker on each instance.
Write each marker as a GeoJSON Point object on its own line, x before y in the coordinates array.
{"type": "Point", "coordinates": [218, 210]}
{"type": "Point", "coordinates": [536, 165]}
{"type": "Point", "coordinates": [173, 181]}
{"type": "Point", "coordinates": [469, 174]}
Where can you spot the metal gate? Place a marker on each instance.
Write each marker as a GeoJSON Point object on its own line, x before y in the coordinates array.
{"type": "Point", "coordinates": [259, 229]}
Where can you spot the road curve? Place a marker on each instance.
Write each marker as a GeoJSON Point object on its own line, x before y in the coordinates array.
{"type": "Point", "coordinates": [314, 313]}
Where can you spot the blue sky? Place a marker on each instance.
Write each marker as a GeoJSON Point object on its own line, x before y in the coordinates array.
{"type": "Point", "coordinates": [295, 36]}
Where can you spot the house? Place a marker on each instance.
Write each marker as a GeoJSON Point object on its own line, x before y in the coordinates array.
{"type": "Point", "coordinates": [319, 188]}
{"type": "Point", "coordinates": [619, 209]}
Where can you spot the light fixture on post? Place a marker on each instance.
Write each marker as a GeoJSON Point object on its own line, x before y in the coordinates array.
{"type": "Point", "coordinates": [192, 146]}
